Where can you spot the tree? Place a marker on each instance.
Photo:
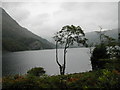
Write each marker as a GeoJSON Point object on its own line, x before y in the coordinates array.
{"type": "Point", "coordinates": [66, 37]}
{"type": "Point", "coordinates": [102, 51]}
{"type": "Point", "coordinates": [99, 52]}
{"type": "Point", "coordinates": [101, 35]}
{"type": "Point", "coordinates": [37, 71]}
{"type": "Point", "coordinates": [105, 39]}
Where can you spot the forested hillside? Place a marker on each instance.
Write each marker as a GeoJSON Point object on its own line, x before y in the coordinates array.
{"type": "Point", "coordinates": [18, 38]}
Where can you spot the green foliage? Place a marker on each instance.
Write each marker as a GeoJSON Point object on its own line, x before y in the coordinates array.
{"type": "Point", "coordinates": [105, 50]}
{"type": "Point", "coordinates": [103, 78]}
{"type": "Point", "coordinates": [70, 34]}
{"type": "Point", "coordinates": [37, 71]}
{"type": "Point", "coordinates": [21, 82]}
{"type": "Point", "coordinates": [112, 64]}
{"type": "Point", "coordinates": [67, 36]}
{"type": "Point", "coordinates": [99, 52]}
{"type": "Point", "coordinates": [109, 79]}
{"type": "Point", "coordinates": [13, 45]}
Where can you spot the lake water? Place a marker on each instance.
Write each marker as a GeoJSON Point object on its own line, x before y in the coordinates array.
{"type": "Point", "coordinates": [19, 62]}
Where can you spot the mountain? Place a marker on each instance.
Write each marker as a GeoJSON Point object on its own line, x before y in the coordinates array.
{"type": "Point", "coordinates": [18, 38]}
{"type": "Point", "coordinates": [93, 37]}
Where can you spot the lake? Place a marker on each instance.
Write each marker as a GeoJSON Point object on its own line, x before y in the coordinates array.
{"type": "Point", "coordinates": [78, 60]}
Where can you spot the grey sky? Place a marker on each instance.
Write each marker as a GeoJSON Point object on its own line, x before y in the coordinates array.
{"type": "Point", "coordinates": [46, 18]}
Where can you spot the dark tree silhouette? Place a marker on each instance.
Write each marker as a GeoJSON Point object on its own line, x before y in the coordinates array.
{"type": "Point", "coordinates": [67, 36]}
{"type": "Point", "coordinates": [102, 51]}
{"type": "Point", "coordinates": [37, 71]}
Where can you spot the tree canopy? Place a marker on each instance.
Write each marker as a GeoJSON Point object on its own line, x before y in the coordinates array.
{"type": "Point", "coordinates": [66, 37]}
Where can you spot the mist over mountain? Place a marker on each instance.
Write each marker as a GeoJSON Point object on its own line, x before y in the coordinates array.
{"type": "Point", "coordinates": [93, 37]}
{"type": "Point", "coordinates": [18, 38]}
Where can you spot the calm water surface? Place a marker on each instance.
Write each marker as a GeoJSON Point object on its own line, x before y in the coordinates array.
{"type": "Point", "coordinates": [20, 62]}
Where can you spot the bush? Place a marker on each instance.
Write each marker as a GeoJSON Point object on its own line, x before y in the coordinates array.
{"type": "Point", "coordinates": [100, 52]}
{"type": "Point", "coordinates": [37, 71]}
{"type": "Point", "coordinates": [102, 78]}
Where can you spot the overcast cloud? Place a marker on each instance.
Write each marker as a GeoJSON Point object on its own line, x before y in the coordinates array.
{"type": "Point", "coordinates": [46, 18]}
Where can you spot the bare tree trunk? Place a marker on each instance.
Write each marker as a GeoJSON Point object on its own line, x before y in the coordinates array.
{"type": "Point", "coordinates": [64, 65]}
{"type": "Point", "coordinates": [60, 67]}
{"type": "Point", "coordinates": [65, 51]}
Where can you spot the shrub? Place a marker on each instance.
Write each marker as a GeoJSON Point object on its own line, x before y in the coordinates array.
{"type": "Point", "coordinates": [100, 52]}
{"type": "Point", "coordinates": [37, 71]}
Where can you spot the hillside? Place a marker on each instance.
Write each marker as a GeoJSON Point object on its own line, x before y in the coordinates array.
{"type": "Point", "coordinates": [18, 38]}
{"type": "Point", "coordinates": [93, 37]}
